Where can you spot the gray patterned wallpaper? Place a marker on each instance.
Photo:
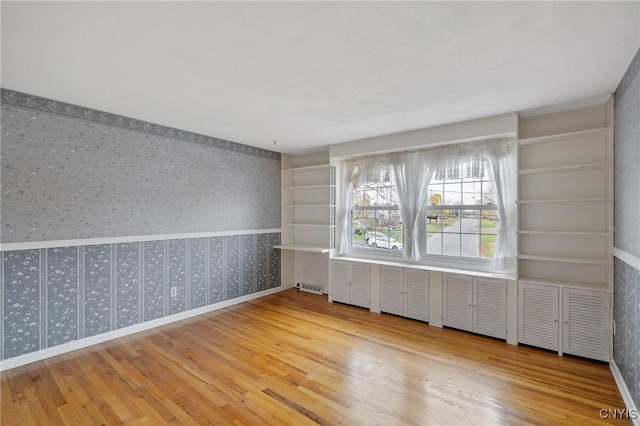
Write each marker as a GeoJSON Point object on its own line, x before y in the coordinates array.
{"type": "Point", "coordinates": [626, 312]}
{"type": "Point", "coordinates": [58, 295]}
{"type": "Point", "coordinates": [70, 172]}
{"type": "Point", "coordinates": [626, 308]}
{"type": "Point", "coordinates": [627, 159]}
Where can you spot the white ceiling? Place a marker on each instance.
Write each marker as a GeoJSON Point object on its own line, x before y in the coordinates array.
{"type": "Point", "coordinates": [312, 74]}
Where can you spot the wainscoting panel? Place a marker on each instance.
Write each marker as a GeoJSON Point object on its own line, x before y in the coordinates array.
{"type": "Point", "coordinates": [57, 295]}
{"type": "Point", "coordinates": [626, 314]}
{"type": "Point", "coordinates": [128, 273]}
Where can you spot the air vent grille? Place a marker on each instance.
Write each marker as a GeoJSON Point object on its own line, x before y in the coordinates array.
{"type": "Point", "coordinates": [312, 288]}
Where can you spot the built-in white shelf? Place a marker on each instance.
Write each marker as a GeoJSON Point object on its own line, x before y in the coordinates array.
{"type": "Point", "coordinates": [308, 205]}
{"type": "Point", "coordinates": [294, 187]}
{"type": "Point", "coordinates": [569, 233]}
{"type": "Point", "coordinates": [584, 260]}
{"type": "Point", "coordinates": [564, 283]}
{"type": "Point", "coordinates": [298, 247]}
{"type": "Point", "coordinates": [307, 168]}
{"type": "Point", "coordinates": [564, 200]}
{"type": "Point", "coordinates": [566, 209]}
{"type": "Point", "coordinates": [556, 169]}
{"type": "Point", "coordinates": [565, 136]}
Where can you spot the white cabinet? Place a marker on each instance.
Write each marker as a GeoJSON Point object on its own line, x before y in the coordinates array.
{"type": "Point", "coordinates": [490, 307]}
{"type": "Point", "coordinates": [392, 295]}
{"type": "Point", "coordinates": [341, 282]}
{"type": "Point", "coordinates": [585, 323]}
{"type": "Point", "coordinates": [350, 283]}
{"type": "Point", "coordinates": [416, 283]}
{"type": "Point", "coordinates": [405, 292]}
{"type": "Point", "coordinates": [539, 313]}
{"type": "Point", "coordinates": [457, 309]}
{"type": "Point", "coordinates": [475, 304]}
{"type": "Point", "coordinates": [586, 319]}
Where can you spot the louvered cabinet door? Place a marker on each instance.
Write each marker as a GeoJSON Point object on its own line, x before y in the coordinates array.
{"type": "Point", "coordinates": [457, 310]}
{"type": "Point", "coordinates": [392, 290]}
{"type": "Point", "coordinates": [360, 285]}
{"type": "Point", "coordinates": [585, 320]}
{"type": "Point", "coordinates": [490, 307]}
{"type": "Point", "coordinates": [538, 311]}
{"type": "Point", "coordinates": [417, 294]}
{"type": "Point", "coordinates": [341, 284]}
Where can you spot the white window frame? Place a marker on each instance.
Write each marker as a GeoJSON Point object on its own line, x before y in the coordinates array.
{"type": "Point", "coordinates": [368, 250]}
{"type": "Point", "coordinates": [495, 151]}
{"type": "Point", "coordinates": [448, 258]}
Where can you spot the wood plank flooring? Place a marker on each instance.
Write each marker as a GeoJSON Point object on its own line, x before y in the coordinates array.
{"type": "Point", "coordinates": [293, 358]}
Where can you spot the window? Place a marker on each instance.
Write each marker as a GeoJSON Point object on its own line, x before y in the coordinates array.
{"type": "Point", "coordinates": [375, 217]}
{"type": "Point", "coordinates": [461, 217]}
{"type": "Point", "coordinates": [450, 205]}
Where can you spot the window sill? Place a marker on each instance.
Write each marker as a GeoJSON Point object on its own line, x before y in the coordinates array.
{"type": "Point", "coordinates": [403, 264]}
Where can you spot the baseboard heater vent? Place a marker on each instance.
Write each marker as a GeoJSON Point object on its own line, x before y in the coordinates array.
{"type": "Point", "coordinates": [311, 288]}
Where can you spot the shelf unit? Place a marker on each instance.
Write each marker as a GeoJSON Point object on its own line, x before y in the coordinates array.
{"type": "Point", "coordinates": [565, 231]}
{"type": "Point", "coordinates": [308, 208]}
{"type": "Point", "coordinates": [566, 209]}
{"type": "Point", "coordinates": [307, 218]}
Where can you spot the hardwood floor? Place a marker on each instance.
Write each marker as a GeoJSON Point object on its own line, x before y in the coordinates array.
{"type": "Point", "coordinates": [293, 358]}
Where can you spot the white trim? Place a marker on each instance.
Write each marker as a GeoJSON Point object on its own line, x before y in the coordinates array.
{"type": "Point", "coordinates": [127, 239]}
{"type": "Point", "coordinates": [104, 337]}
{"type": "Point", "coordinates": [583, 103]}
{"type": "Point", "coordinates": [624, 391]}
{"type": "Point", "coordinates": [494, 127]}
{"type": "Point", "coordinates": [627, 258]}
{"type": "Point", "coordinates": [475, 273]}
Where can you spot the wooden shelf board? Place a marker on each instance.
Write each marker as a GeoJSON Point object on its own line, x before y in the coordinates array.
{"type": "Point", "coordinates": [297, 247]}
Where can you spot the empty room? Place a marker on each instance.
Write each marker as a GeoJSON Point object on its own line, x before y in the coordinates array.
{"type": "Point", "coordinates": [335, 213]}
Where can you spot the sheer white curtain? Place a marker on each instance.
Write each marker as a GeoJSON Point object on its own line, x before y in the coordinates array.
{"type": "Point", "coordinates": [352, 174]}
{"type": "Point", "coordinates": [348, 173]}
{"type": "Point", "coordinates": [501, 157]}
{"type": "Point", "coordinates": [413, 172]}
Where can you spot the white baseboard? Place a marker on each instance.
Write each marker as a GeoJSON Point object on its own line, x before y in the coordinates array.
{"type": "Point", "coordinates": [18, 361]}
{"type": "Point", "coordinates": [624, 391]}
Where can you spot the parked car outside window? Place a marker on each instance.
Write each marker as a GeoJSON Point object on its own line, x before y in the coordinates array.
{"type": "Point", "coordinates": [382, 241]}
{"type": "Point", "coordinates": [370, 235]}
